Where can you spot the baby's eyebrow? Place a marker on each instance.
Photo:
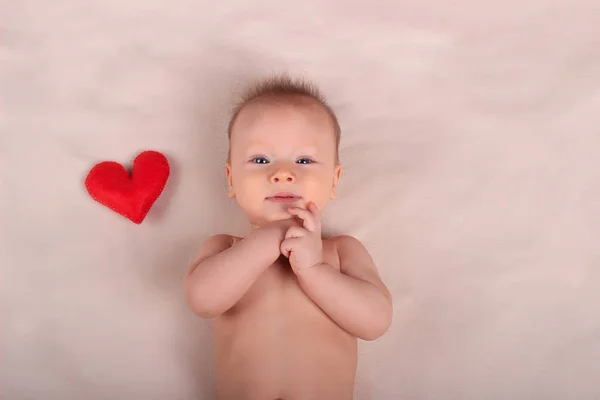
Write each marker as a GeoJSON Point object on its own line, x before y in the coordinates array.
{"type": "Point", "coordinates": [308, 151]}
{"type": "Point", "coordinates": [255, 146]}
{"type": "Point", "coordinates": [259, 147]}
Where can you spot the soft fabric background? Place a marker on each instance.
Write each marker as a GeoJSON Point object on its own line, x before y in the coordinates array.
{"type": "Point", "coordinates": [472, 173]}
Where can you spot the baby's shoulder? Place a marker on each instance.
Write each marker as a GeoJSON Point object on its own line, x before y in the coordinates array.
{"type": "Point", "coordinates": [234, 239]}
{"type": "Point", "coordinates": [230, 240]}
{"type": "Point", "coordinates": [344, 242]}
{"type": "Point", "coordinates": [341, 239]}
{"type": "Point", "coordinates": [220, 241]}
{"type": "Point", "coordinates": [214, 244]}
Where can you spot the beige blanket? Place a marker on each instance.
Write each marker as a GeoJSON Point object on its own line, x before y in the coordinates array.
{"type": "Point", "coordinates": [471, 148]}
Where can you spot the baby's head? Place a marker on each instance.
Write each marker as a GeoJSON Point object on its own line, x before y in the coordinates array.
{"type": "Point", "coordinates": [283, 137]}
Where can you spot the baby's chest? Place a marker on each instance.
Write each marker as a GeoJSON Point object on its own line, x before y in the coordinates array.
{"type": "Point", "coordinates": [281, 272]}
{"type": "Point", "coordinates": [278, 285]}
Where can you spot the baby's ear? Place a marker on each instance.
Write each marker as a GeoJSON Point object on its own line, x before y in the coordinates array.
{"type": "Point", "coordinates": [337, 174]}
{"type": "Point", "coordinates": [231, 192]}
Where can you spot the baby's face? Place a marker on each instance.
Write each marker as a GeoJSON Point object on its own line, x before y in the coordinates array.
{"type": "Point", "coordinates": [282, 148]}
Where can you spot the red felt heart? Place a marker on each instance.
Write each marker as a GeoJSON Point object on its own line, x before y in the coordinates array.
{"type": "Point", "coordinates": [132, 196]}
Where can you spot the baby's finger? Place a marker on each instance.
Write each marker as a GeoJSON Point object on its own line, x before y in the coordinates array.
{"type": "Point", "coordinates": [295, 232]}
{"type": "Point", "coordinates": [287, 246]}
{"type": "Point", "coordinates": [306, 216]}
{"type": "Point", "coordinates": [316, 213]}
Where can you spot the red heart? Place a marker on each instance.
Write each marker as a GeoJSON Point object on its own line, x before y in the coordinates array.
{"type": "Point", "coordinates": [109, 184]}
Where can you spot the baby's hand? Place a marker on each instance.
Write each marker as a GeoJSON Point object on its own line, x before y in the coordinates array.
{"type": "Point", "coordinates": [303, 245]}
{"type": "Point", "coordinates": [279, 228]}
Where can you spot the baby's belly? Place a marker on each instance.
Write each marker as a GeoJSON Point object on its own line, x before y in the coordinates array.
{"type": "Point", "coordinates": [277, 343]}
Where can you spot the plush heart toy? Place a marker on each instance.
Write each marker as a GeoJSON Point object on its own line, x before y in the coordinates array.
{"type": "Point", "coordinates": [132, 196]}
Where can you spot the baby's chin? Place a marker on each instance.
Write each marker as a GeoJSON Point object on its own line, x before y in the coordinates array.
{"type": "Point", "coordinates": [278, 217]}
{"type": "Point", "coordinates": [273, 213]}
{"type": "Point", "coordinates": [260, 220]}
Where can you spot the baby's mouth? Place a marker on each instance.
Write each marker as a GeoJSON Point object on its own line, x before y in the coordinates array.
{"type": "Point", "coordinates": [284, 198]}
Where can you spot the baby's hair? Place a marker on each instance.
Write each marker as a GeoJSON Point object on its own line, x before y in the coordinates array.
{"type": "Point", "coordinates": [281, 86]}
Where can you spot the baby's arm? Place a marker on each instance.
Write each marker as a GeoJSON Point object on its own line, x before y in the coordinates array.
{"type": "Point", "coordinates": [222, 274]}
{"type": "Point", "coordinates": [355, 297]}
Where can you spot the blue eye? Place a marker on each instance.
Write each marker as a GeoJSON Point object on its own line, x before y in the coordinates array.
{"type": "Point", "coordinates": [305, 161]}
{"type": "Point", "coordinates": [260, 160]}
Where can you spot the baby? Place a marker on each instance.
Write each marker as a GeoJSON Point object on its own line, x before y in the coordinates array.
{"type": "Point", "coordinates": [288, 305]}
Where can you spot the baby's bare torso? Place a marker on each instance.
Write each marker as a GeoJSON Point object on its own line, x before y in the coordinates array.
{"type": "Point", "coordinates": [277, 343]}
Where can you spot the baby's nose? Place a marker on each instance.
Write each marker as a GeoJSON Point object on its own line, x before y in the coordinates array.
{"type": "Point", "coordinates": [283, 176]}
